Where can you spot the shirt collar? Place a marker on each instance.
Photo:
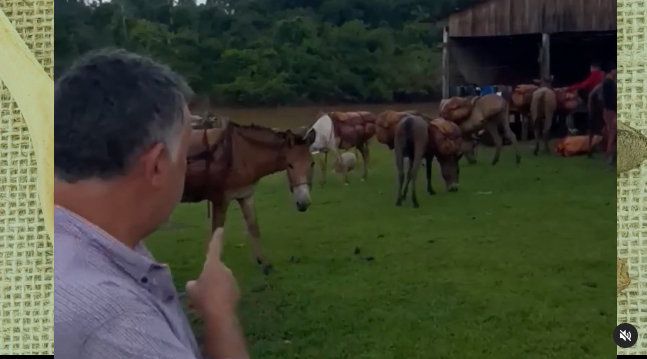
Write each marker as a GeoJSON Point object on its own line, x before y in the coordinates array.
{"type": "Point", "coordinates": [137, 262]}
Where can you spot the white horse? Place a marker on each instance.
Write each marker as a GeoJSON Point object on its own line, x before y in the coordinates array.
{"type": "Point", "coordinates": [325, 142]}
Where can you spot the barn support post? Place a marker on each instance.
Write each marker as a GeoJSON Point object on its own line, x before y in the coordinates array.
{"type": "Point", "coordinates": [445, 62]}
{"type": "Point", "coordinates": [545, 56]}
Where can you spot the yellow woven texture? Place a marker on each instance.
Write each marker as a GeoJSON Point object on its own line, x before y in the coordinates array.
{"type": "Point", "coordinates": [26, 254]}
{"type": "Point", "coordinates": [632, 186]}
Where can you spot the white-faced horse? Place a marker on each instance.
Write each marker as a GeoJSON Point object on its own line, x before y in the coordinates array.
{"type": "Point", "coordinates": [337, 131]}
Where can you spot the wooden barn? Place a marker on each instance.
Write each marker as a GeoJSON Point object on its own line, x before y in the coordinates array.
{"type": "Point", "coordinates": [507, 42]}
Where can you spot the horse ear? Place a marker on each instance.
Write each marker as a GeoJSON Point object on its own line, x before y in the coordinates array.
{"type": "Point", "coordinates": [290, 139]}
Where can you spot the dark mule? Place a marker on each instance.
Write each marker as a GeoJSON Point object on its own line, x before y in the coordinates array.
{"type": "Point", "coordinates": [411, 140]}
{"type": "Point", "coordinates": [224, 164]}
{"type": "Point", "coordinates": [445, 143]}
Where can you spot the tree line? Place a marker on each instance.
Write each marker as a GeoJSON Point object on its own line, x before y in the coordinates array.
{"type": "Point", "coordinates": [272, 52]}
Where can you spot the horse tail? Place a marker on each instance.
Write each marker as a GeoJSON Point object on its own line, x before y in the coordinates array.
{"type": "Point", "coordinates": [538, 99]}
{"type": "Point", "coordinates": [407, 127]}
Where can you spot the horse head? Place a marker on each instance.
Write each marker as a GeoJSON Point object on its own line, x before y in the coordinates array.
{"type": "Point", "coordinates": [299, 165]}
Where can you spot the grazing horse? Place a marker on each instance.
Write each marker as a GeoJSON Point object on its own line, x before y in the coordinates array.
{"type": "Point", "coordinates": [225, 164]}
{"type": "Point", "coordinates": [473, 114]}
{"type": "Point", "coordinates": [342, 130]}
{"type": "Point", "coordinates": [445, 143]}
{"type": "Point", "coordinates": [410, 140]}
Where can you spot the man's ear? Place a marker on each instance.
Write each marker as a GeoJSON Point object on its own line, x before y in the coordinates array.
{"type": "Point", "coordinates": [154, 161]}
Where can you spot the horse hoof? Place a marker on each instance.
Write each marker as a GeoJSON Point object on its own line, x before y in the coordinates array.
{"type": "Point", "coordinates": [346, 184]}
{"type": "Point", "coordinates": [518, 159]}
{"type": "Point", "coordinates": [267, 269]}
{"type": "Point", "coordinates": [431, 192]}
{"type": "Point", "coordinates": [398, 203]}
{"type": "Point", "coordinates": [495, 162]}
{"type": "Point", "coordinates": [416, 205]}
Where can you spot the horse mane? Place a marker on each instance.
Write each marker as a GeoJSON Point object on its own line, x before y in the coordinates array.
{"type": "Point", "coordinates": [278, 135]}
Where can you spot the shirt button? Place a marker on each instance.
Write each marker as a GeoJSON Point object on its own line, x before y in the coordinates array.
{"type": "Point", "coordinates": [144, 280]}
{"type": "Point", "coordinates": [170, 297]}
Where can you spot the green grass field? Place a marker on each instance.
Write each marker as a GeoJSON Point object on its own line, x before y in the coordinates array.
{"type": "Point", "coordinates": [518, 264]}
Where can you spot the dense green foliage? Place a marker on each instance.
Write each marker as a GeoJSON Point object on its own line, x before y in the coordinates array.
{"type": "Point", "coordinates": [272, 51]}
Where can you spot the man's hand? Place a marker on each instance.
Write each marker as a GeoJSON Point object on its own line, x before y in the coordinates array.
{"type": "Point", "coordinates": [215, 292]}
{"type": "Point", "coordinates": [214, 295]}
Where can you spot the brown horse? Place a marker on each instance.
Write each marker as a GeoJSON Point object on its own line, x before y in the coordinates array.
{"type": "Point", "coordinates": [343, 130]}
{"type": "Point", "coordinates": [224, 164]}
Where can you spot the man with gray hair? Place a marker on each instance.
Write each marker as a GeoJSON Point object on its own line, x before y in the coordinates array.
{"type": "Point", "coordinates": [121, 134]}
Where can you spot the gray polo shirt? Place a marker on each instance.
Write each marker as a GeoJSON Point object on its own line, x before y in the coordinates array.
{"type": "Point", "coordinates": [111, 301]}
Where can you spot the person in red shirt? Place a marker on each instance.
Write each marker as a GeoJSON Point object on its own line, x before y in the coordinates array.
{"type": "Point", "coordinates": [596, 76]}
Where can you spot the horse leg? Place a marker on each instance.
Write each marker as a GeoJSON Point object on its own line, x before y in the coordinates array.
{"type": "Point", "coordinates": [408, 178]}
{"type": "Point", "coordinates": [537, 136]}
{"type": "Point", "coordinates": [399, 165]}
{"type": "Point", "coordinates": [218, 215]}
{"type": "Point", "coordinates": [249, 214]}
{"type": "Point", "coordinates": [413, 175]}
{"type": "Point", "coordinates": [590, 120]}
{"type": "Point", "coordinates": [470, 153]}
{"type": "Point", "coordinates": [593, 119]}
{"type": "Point", "coordinates": [365, 155]}
{"type": "Point", "coordinates": [570, 124]}
{"type": "Point", "coordinates": [429, 162]}
{"type": "Point", "coordinates": [512, 138]}
{"type": "Point", "coordinates": [323, 163]}
{"type": "Point", "coordinates": [548, 123]}
{"type": "Point", "coordinates": [344, 170]}
{"type": "Point", "coordinates": [494, 133]}
{"type": "Point", "coordinates": [524, 125]}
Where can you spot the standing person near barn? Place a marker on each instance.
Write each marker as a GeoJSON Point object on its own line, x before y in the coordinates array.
{"type": "Point", "coordinates": [584, 88]}
{"type": "Point", "coordinates": [610, 114]}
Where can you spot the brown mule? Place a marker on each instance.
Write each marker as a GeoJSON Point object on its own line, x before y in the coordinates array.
{"type": "Point", "coordinates": [446, 145]}
{"type": "Point", "coordinates": [473, 114]}
{"type": "Point", "coordinates": [410, 141]}
{"type": "Point", "coordinates": [224, 164]}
